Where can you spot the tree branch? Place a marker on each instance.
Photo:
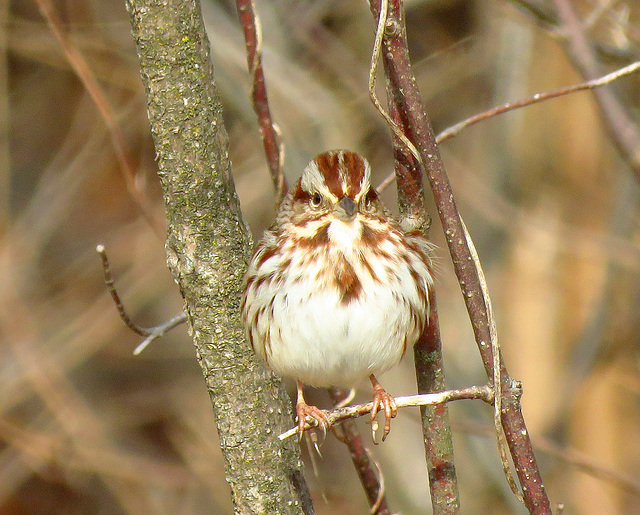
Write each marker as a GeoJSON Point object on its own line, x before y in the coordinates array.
{"type": "Point", "coordinates": [484, 393]}
{"type": "Point", "coordinates": [420, 133]}
{"type": "Point", "coordinates": [273, 148]}
{"type": "Point", "coordinates": [436, 430]}
{"type": "Point", "coordinates": [208, 247]}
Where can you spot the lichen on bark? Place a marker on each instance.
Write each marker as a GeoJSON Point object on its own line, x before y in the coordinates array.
{"type": "Point", "coordinates": [208, 246]}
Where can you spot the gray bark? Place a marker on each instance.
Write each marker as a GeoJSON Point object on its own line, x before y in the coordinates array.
{"type": "Point", "coordinates": [208, 246]}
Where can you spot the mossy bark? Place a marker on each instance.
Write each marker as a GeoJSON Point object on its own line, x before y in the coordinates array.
{"type": "Point", "coordinates": [208, 247]}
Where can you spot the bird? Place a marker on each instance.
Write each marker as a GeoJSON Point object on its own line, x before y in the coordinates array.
{"type": "Point", "coordinates": [336, 290]}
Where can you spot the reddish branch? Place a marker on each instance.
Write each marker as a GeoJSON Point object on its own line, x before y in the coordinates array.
{"type": "Point", "coordinates": [420, 132]}
{"type": "Point", "coordinates": [270, 137]}
{"type": "Point", "coordinates": [436, 430]}
{"type": "Point", "coordinates": [348, 433]}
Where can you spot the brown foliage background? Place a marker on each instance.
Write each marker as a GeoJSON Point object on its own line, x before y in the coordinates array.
{"type": "Point", "coordinates": [85, 427]}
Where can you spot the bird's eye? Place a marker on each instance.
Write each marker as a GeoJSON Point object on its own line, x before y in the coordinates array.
{"type": "Point", "coordinates": [316, 200]}
{"type": "Point", "coordinates": [368, 201]}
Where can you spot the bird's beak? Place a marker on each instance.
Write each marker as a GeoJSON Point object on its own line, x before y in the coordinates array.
{"type": "Point", "coordinates": [346, 209]}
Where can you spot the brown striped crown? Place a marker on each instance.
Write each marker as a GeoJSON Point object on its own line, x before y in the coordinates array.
{"type": "Point", "coordinates": [334, 175]}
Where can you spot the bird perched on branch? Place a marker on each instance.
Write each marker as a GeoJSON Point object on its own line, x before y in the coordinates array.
{"type": "Point", "coordinates": [336, 290]}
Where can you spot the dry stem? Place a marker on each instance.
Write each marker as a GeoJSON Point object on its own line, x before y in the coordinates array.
{"type": "Point", "coordinates": [89, 81]}
{"type": "Point", "coordinates": [455, 129]}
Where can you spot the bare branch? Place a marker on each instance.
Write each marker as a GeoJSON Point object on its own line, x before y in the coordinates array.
{"type": "Point", "coordinates": [160, 330]}
{"type": "Point", "coordinates": [455, 129]}
{"type": "Point", "coordinates": [273, 147]}
{"type": "Point", "coordinates": [151, 333]}
{"type": "Point", "coordinates": [484, 393]}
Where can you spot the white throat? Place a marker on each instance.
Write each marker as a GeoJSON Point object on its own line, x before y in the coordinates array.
{"type": "Point", "coordinates": [345, 234]}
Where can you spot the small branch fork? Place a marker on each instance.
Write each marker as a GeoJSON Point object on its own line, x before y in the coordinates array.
{"type": "Point", "coordinates": [484, 393]}
{"type": "Point", "coordinates": [151, 333]}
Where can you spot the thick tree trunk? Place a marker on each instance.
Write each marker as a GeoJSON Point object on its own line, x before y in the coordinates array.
{"type": "Point", "coordinates": [208, 247]}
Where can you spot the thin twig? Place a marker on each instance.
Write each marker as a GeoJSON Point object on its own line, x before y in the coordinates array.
{"type": "Point", "coordinates": [484, 393]}
{"type": "Point", "coordinates": [497, 379]}
{"type": "Point", "coordinates": [89, 81]}
{"type": "Point", "coordinates": [108, 279]}
{"type": "Point", "coordinates": [271, 140]}
{"type": "Point", "coordinates": [455, 129]}
{"type": "Point", "coordinates": [373, 70]}
{"type": "Point", "coordinates": [151, 333]}
{"type": "Point", "coordinates": [366, 466]}
{"type": "Point", "coordinates": [623, 130]}
{"type": "Point", "coordinates": [538, 97]}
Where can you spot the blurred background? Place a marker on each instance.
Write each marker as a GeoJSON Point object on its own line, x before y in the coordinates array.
{"type": "Point", "coordinates": [86, 427]}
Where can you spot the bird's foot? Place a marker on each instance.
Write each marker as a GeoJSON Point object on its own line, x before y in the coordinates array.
{"type": "Point", "coordinates": [382, 401]}
{"type": "Point", "coordinates": [303, 410]}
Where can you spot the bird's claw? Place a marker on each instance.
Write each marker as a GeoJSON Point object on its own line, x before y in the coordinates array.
{"type": "Point", "coordinates": [315, 414]}
{"type": "Point", "coordinates": [382, 401]}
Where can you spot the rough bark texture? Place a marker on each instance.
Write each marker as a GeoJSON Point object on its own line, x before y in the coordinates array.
{"type": "Point", "coordinates": [436, 429]}
{"type": "Point", "coordinates": [208, 247]}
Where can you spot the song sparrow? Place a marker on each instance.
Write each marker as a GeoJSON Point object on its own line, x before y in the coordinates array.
{"type": "Point", "coordinates": [336, 290]}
